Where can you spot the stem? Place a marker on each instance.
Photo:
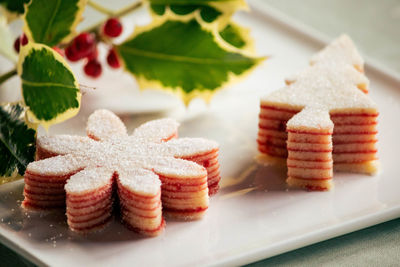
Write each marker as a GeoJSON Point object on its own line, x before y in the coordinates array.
{"type": "Point", "coordinates": [110, 13]}
{"type": "Point", "coordinates": [7, 75]}
{"type": "Point", "coordinates": [100, 8]}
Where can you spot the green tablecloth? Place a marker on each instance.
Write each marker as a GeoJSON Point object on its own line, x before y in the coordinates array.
{"type": "Point", "coordinates": [375, 246]}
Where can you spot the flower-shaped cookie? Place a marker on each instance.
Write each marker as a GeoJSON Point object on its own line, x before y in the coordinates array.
{"type": "Point", "coordinates": [154, 173]}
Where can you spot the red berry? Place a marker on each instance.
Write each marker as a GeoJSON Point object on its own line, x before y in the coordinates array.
{"type": "Point", "coordinates": [72, 54]}
{"type": "Point", "coordinates": [17, 44]}
{"type": "Point", "coordinates": [84, 44]}
{"type": "Point", "coordinates": [20, 40]}
{"type": "Point", "coordinates": [112, 27]}
{"type": "Point", "coordinates": [113, 60]}
{"type": "Point", "coordinates": [93, 54]}
{"type": "Point", "coordinates": [58, 50]}
{"type": "Point", "coordinates": [24, 39]}
{"type": "Point", "coordinates": [92, 68]}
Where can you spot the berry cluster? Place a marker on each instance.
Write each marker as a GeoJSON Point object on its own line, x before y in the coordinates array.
{"type": "Point", "coordinates": [22, 39]}
{"type": "Point", "coordinates": [84, 46]}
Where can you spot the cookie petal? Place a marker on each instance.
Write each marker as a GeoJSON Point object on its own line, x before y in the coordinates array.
{"type": "Point", "coordinates": [103, 125]}
{"type": "Point", "coordinates": [89, 199]}
{"type": "Point", "coordinates": [140, 201]}
{"type": "Point", "coordinates": [45, 180]}
{"type": "Point", "coordinates": [157, 130]}
{"type": "Point", "coordinates": [50, 146]}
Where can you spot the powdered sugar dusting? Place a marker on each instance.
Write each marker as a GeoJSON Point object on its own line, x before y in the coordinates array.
{"type": "Point", "coordinates": [342, 51]}
{"type": "Point", "coordinates": [64, 144]}
{"type": "Point", "coordinates": [324, 86]}
{"type": "Point", "coordinates": [344, 76]}
{"type": "Point", "coordinates": [88, 179]}
{"type": "Point", "coordinates": [103, 124]}
{"type": "Point", "coordinates": [156, 130]}
{"type": "Point", "coordinates": [185, 147]}
{"type": "Point", "coordinates": [311, 118]}
{"type": "Point", "coordinates": [176, 168]}
{"type": "Point", "coordinates": [56, 166]}
{"type": "Point", "coordinates": [143, 181]}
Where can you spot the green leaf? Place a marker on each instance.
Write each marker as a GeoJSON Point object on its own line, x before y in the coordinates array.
{"type": "Point", "coordinates": [238, 36]}
{"type": "Point", "coordinates": [185, 58]}
{"type": "Point", "coordinates": [183, 10]}
{"type": "Point", "coordinates": [209, 14]}
{"type": "Point", "coordinates": [237, 3]}
{"type": "Point", "coordinates": [230, 35]}
{"type": "Point", "coordinates": [210, 10]}
{"type": "Point", "coordinates": [6, 41]}
{"type": "Point", "coordinates": [17, 142]}
{"type": "Point", "coordinates": [158, 9]}
{"type": "Point", "coordinates": [49, 87]}
{"type": "Point", "coordinates": [52, 22]}
{"type": "Point", "coordinates": [15, 6]}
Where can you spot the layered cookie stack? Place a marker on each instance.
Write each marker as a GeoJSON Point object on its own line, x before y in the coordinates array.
{"type": "Point", "coordinates": [322, 118]}
{"type": "Point", "coordinates": [44, 182]}
{"type": "Point", "coordinates": [354, 141]}
{"type": "Point", "coordinates": [202, 151]}
{"type": "Point", "coordinates": [45, 190]}
{"type": "Point", "coordinates": [139, 195]}
{"type": "Point", "coordinates": [134, 164]}
{"type": "Point", "coordinates": [89, 199]}
{"type": "Point", "coordinates": [185, 196]}
{"type": "Point", "coordinates": [210, 162]}
{"type": "Point", "coordinates": [309, 148]}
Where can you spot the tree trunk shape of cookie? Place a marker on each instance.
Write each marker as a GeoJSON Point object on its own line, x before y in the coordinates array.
{"type": "Point", "coordinates": [322, 119]}
{"type": "Point", "coordinates": [155, 174]}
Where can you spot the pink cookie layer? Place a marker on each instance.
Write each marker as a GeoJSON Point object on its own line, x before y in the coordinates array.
{"type": "Point", "coordinates": [305, 152]}
{"type": "Point", "coordinates": [189, 200]}
{"type": "Point", "coordinates": [351, 130]}
{"type": "Point", "coordinates": [89, 209]}
{"type": "Point", "coordinates": [210, 162]}
{"type": "Point", "coordinates": [147, 232]}
{"type": "Point", "coordinates": [141, 213]}
{"type": "Point", "coordinates": [42, 192]}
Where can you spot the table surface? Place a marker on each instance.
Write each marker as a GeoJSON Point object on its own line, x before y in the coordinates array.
{"type": "Point", "coordinates": [379, 38]}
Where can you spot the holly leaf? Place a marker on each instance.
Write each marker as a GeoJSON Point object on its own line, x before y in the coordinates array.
{"type": "Point", "coordinates": [17, 142]}
{"type": "Point", "coordinates": [209, 10]}
{"type": "Point", "coordinates": [186, 58]}
{"type": "Point", "coordinates": [52, 22]}
{"type": "Point", "coordinates": [237, 36]}
{"type": "Point", "coordinates": [6, 41]}
{"type": "Point", "coordinates": [49, 87]}
{"type": "Point", "coordinates": [14, 6]}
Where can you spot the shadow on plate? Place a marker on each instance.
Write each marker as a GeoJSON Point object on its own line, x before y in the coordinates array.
{"type": "Point", "coordinates": [255, 178]}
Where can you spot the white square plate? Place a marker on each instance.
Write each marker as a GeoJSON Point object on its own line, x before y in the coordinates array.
{"type": "Point", "coordinates": [254, 216]}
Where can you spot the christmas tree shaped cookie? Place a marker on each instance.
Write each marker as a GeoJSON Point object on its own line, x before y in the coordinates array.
{"type": "Point", "coordinates": [155, 174]}
{"type": "Point", "coordinates": [322, 119]}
